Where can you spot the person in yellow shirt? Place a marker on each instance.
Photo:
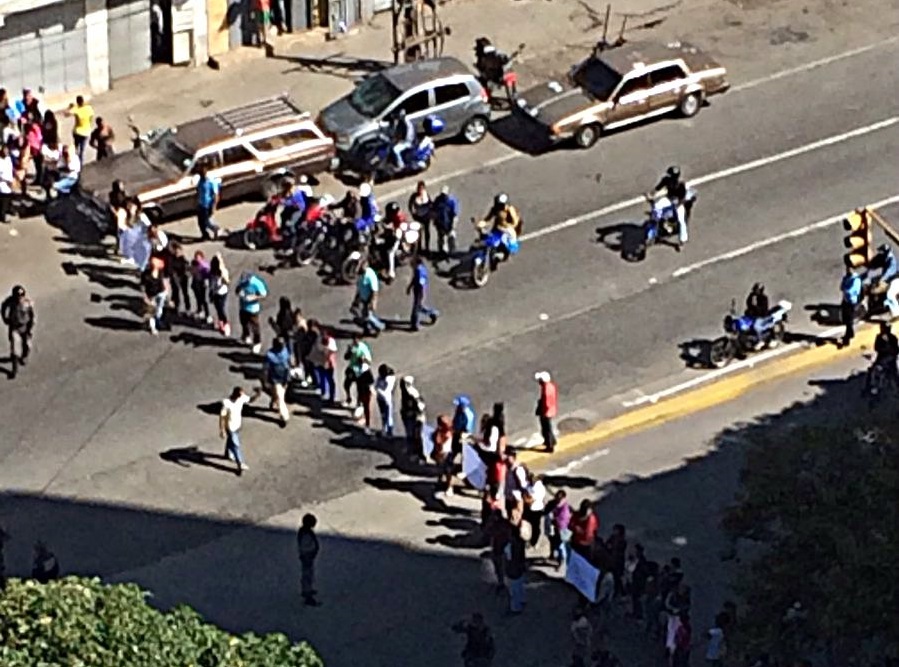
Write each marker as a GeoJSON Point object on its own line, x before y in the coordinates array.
{"type": "Point", "coordinates": [83, 113]}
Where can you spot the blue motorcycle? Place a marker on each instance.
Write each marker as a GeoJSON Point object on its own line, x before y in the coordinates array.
{"type": "Point", "coordinates": [745, 334]}
{"type": "Point", "coordinates": [377, 157]}
{"type": "Point", "coordinates": [490, 248]}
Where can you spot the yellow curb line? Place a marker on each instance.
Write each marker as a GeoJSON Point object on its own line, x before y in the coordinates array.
{"type": "Point", "coordinates": [697, 400]}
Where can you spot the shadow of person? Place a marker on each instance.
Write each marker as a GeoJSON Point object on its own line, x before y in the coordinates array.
{"type": "Point", "coordinates": [188, 456]}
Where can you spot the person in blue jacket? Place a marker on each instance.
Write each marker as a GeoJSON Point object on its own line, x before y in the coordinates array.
{"type": "Point", "coordinates": [445, 210]}
{"type": "Point", "coordinates": [851, 287]}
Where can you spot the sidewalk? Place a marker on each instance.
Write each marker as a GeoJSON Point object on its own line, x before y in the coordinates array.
{"type": "Point", "coordinates": [316, 71]}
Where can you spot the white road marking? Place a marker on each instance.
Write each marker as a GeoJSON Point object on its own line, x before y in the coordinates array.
{"type": "Point", "coordinates": [718, 175]}
{"type": "Point", "coordinates": [705, 378]}
{"type": "Point", "coordinates": [568, 467]}
{"type": "Point", "coordinates": [792, 71]}
{"type": "Point", "coordinates": [801, 69]}
{"type": "Point", "coordinates": [771, 240]}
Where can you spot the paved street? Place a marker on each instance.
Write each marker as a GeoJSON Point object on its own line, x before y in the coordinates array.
{"type": "Point", "coordinates": [807, 133]}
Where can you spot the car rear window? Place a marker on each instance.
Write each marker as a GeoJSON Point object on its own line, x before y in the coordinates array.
{"type": "Point", "coordinates": [373, 95]}
{"type": "Point", "coordinates": [452, 92]}
{"type": "Point", "coordinates": [597, 78]}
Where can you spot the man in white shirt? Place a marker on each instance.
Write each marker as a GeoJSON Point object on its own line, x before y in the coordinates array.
{"type": "Point", "coordinates": [69, 171]}
{"type": "Point", "coordinates": [7, 180]}
{"type": "Point", "coordinates": [230, 421]}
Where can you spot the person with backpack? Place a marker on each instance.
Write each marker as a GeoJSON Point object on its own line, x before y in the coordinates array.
{"type": "Point", "coordinates": [479, 646]}
{"type": "Point", "coordinates": [277, 376]}
{"type": "Point", "coordinates": [307, 550]}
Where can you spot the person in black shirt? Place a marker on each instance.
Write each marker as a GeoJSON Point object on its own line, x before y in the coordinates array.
{"type": "Point", "coordinates": [757, 304]}
{"type": "Point", "coordinates": [178, 273]}
{"type": "Point", "coordinates": [479, 646]}
{"type": "Point", "coordinates": [17, 312]}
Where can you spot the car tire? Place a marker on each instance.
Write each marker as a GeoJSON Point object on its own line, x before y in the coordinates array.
{"type": "Point", "coordinates": [587, 135]}
{"type": "Point", "coordinates": [690, 105]}
{"type": "Point", "coordinates": [272, 185]}
{"type": "Point", "coordinates": [475, 129]}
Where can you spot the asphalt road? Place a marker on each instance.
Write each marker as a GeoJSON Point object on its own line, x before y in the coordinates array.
{"type": "Point", "coordinates": [102, 400]}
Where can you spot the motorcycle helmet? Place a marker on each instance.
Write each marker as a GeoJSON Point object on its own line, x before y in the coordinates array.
{"type": "Point", "coordinates": [673, 171]}
{"type": "Point", "coordinates": [884, 248]}
{"type": "Point", "coordinates": [501, 199]}
{"type": "Point", "coordinates": [365, 190]}
{"type": "Point", "coordinates": [433, 125]}
{"type": "Point", "coordinates": [304, 179]}
{"type": "Point", "coordinates": [758, 288]}
{"type": "Point", "coordinates": [18, 291]}
{"type": "Point", "coordinates": [481, 43]}
{"type": "Point", "coordinates": [393, 208]}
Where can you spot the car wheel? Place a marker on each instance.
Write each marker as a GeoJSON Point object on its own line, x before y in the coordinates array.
{"type": "Point", "coordinates": [690, 105]}
{"type": "Point", "coordinates": [587, 135]}
{"type": "Point", "coordinates": [475, 129]}
{"type": "Point", "coordinates": [272, 185]}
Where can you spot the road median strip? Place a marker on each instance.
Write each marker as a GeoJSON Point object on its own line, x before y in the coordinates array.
{"type": "Point", "coordinates": [697, 400]}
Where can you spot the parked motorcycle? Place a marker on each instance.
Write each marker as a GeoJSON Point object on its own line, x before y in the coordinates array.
{"type": "Point", "coordinates": [263, 230]}
{"type": "Point", "coordinates": [745, 334]}
{"type": "Point", "coordinates": [489, 249]}
{"type": "Point", "coordinates": [507, 82]}
{"type": "Point", "coordinates": [661, 218]}
{"type": "Point", "coordinates": [354, 248]}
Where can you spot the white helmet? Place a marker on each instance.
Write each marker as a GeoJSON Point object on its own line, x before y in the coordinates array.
{"type": "Point", "coordinates": [365, 190]}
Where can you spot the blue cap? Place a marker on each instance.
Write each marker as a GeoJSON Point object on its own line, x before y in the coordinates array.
{"type": "Point", "coordinates": [462, 401]}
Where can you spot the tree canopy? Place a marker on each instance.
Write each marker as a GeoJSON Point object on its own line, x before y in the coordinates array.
{"type": "Point", "coordinates": [822, 502]}
{"type": "Point", "coordinates": [82, 622]}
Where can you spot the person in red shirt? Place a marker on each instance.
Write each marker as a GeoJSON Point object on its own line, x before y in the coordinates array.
{"type": "Point", "coordinates": [584, 526]}
{"type": "Point", "coordinates": [547, 409]}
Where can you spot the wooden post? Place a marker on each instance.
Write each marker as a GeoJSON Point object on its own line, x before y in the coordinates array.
{"type": "Point", "coordinates": [884, 225]}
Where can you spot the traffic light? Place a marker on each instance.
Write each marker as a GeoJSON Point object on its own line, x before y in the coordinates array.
{"type": "Point", "coordinates": [858, 240]}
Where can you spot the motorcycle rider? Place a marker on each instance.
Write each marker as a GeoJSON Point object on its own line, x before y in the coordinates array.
{"type": "Point", "coordinates": [402, 133]}
{"type": "Point", "coordinates": [368, 206]}
{"type": "Point", "coordinates": [294, 202]}
{"type": "Point", "coordinates": [445, 211]}
{"type": "Point", "coordinates": [489, 61]}
{"type": "Point", "coordinates": [757, 305]}
{"type": "Point", "coordinates": [886, 349]}
{"type": "Point", "coordinates": [504, 218]}
{"type": "Point", "coordinates": [886, 262]}
{"type": "Point", "coordinates": [675, 189]}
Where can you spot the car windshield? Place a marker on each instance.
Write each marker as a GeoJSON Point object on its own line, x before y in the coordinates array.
{"type": "Point", "coordinates": [373, 95]}
{"type": "Point", "coordinates": [597, 78]}
{"type": "Point", "coordinates": [167, 147]}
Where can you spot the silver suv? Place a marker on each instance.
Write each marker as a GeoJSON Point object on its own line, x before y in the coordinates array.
{"type": "Point", "coordinates": [442, 86]}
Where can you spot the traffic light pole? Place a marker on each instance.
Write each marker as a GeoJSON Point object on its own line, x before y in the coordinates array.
{"type": "Point", "coordinates": [884, 225]}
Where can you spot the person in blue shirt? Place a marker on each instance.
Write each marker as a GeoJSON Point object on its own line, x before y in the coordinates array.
{"type": "Point", "coordinates": [368, 207]}
{"type": "Point", "coordinates": [367, 288]}
{"type": "Point", "coordinates": [208, 192]}
{"type": "Point", "coordinates": [445, 210]}
{"type": "Point", "coordinates": [852, 288]}
{"type": "Point", "coordinates": [889, 270]}
{"type": "Point", "coordinates": [251, 290]}
{"type": "Point", "coordinates": [277, 376]}
{"type": "Point", "coordinates": [464, 425]}
{"type": "Point", "coordinates": [418, 288]}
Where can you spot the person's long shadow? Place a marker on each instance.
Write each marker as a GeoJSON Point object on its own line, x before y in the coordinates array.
{"type": "Point", "coordinates": [188, 456]}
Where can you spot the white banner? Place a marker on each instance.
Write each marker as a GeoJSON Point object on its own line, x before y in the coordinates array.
{"type": "Point", "coordinates": [473, 467]}
{"type": "Point", "coordinates": [582, 575]}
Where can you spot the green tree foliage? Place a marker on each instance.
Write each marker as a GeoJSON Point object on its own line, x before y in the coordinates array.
{"type": "Point", "coordinates": [823, 502]}
{"type": "Point", "coordinates": [80, 622]}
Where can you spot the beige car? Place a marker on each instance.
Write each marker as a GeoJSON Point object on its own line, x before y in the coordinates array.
{"type": "Point", "coordinates": [624, 85]}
